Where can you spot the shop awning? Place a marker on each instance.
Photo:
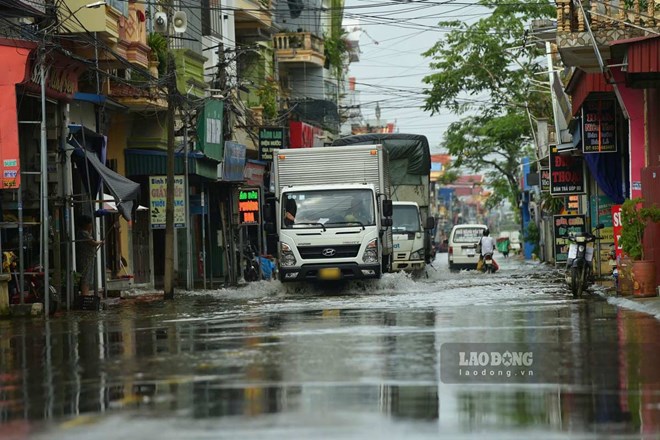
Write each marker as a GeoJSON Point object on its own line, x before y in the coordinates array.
{"type": "Point", "coordinates": [154, 162]}
{"type": "Point", "coordinates": [88, 146]}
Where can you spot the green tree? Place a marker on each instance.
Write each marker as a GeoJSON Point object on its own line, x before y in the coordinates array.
{"type": "Point", "coordinates": [485, 71]}
{"type": "Point", "coordinates": [491, 143]}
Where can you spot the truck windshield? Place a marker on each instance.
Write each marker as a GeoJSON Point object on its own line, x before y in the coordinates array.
{"type": "Point", "coordinates": [327, 208]}
{"type": "Point", "coordinates": [405, 218]}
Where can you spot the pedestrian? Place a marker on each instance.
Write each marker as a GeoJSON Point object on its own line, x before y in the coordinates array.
{"type": "Point", "coordinates": [86, 250]}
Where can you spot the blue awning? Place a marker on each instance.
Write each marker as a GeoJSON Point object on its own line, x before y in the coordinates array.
{"type": "Point", "coordinates": [101, 100]}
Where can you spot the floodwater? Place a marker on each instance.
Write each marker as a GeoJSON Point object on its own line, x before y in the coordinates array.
{"type": "Point", "coordinates": [272, 361]}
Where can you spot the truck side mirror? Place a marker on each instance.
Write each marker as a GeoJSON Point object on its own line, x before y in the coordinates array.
{"type": "Point", "coordinates": [386, 222]}
{"type": "Point", "coordinates": [430, 222]}
{"type": "Point", "coordinates": [387, 208]}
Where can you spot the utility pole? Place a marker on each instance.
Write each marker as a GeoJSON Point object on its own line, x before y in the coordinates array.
{"type": "Point", "coordinates": [169, 200]}
{"type": "Point", "coordinates": [43, 150]}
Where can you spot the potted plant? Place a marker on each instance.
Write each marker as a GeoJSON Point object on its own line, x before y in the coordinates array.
{"type": "Point", "coordinates": [634, 219]}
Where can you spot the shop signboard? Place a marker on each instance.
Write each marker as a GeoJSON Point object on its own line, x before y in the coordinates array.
{"type": "Point", "coordinates": [270, 139]}
{"type": "Point", "coordinates": [599, 126]}
{"type": "Point", "coordinates": [617, 225]}
{"type": "Point", "coordinates": [158, 201]}
{"type": "Point", "coordinates": [563, 225]}
{"type": "Point", "coordinates": [566, 174]}
{"type": "Point", "coordinates": [545, 179]}
{"type": "Point", "coordinates": [249, 206]}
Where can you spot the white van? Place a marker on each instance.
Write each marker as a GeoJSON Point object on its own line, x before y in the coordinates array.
{"type": "Point", "coordinates": [462, 246]}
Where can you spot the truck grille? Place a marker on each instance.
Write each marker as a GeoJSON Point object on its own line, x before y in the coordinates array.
{"type": "Point", "coordinates": [342, 251]}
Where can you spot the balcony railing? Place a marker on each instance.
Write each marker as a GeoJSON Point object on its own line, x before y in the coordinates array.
{"type": "Point", "coordinates": [299, 47]}
{"type": "Point", "coordinates": [627, 15]}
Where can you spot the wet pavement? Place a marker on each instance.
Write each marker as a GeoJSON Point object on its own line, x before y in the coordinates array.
{"type": "Point", "coordinates": [270, 361]}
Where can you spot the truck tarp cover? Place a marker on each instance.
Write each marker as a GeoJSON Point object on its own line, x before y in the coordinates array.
{"type": "Point", "coordinates": [409, 154]}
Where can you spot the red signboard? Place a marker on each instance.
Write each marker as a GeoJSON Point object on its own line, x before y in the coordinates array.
{"type": "Point", "coordinates": [61, 74]}
{"type": "Point", "coordinates": [14, 55]}
{"type": "Point", "coordinates": [303, 135]}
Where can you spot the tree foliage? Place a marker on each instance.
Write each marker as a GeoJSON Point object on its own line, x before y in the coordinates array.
{"type": "Point", "coordinates": [491, 143]}
{"type": "Point", "coordinates": [486, 71]}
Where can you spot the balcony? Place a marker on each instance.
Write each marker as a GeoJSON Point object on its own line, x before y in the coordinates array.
{"type": "Point", "coordinates": [253, 19]}
{"type": "Point", "coordinates": [609, 20]}
{"type": "Point", "coordinates": [299, 48]}
{"type": "Point", "coordinates": [138, 95]}
{"type": "Point", "coordinates": [121, 27]}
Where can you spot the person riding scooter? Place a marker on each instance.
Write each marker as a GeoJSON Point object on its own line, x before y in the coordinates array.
{"type": "Point", "coordinates": [486, 250]}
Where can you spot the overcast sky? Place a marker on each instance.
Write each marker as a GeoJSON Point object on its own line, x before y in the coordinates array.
{"type": "Point", "coordinates": [391, 71]}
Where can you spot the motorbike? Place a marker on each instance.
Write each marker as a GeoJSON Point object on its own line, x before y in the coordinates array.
{"type": "Point", "coordinates": [579, 272]}
{"type": "Point", "coordinates": [251, 271]}
{"type": "Point", "coordinates": [33, 283]}
{"type": "Point", "coordinates": [488, 264]}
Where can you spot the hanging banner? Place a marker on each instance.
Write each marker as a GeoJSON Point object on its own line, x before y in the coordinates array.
{"type": "Point", "coordinates": [599, 126]}
{"type": "Point", "coordinates": [233, 163]}
{"type": "Point", "coordinates": [270, 139]}
{"type": "Point", "coordinates": [563, 225]}
{"type": "Point", "coordinates": [158, 201]}
{"type": "Point", "coordinates": [566, 174]}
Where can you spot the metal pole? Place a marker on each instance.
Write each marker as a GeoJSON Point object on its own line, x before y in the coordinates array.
{"type": "Point", "coordinates": [186, 185]}
{"type": "Point", "coordinates": [44, 187]}
{"type": "Point", "coordinates": [208, 217]}
{"type": "Point", "coordinates": [168, 290]}
{"type": "Point", "coordinates": [21, 257]}
{"type": "Point", "coordinates": [203, 239]}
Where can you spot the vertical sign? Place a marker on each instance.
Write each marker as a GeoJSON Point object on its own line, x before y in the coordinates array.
{"type": "Point", "coordinates": [270, 139]}
{"type": "Point", "coordinates": [158, 201]}
{"type": "Point", "coordinates": [566, 174]}
{"type": "Point", "coordinates": [545, 179]}
{"type": "Point", "coordinates": [209, 129]}
{"type": "Point", "coordinates": [598, 126]}
{"type": "Point", "coordinates": [616, 230]}
{"type": "Point", "coordinates": [563, 225]}
{"type": "Point", "coordinates": [249, 206]}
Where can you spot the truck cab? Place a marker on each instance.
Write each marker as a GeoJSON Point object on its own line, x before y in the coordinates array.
{"type": "Point", "coordinates": [408, 235]}
{"type": "Point", "coordinates": [329, 232]}
{"type": "Point", "coordinates": [332, 213]}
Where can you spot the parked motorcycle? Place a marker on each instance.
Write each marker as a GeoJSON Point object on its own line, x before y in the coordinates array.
{"type": "Point", "coordinates": [33, 284]}
{"type": "Point", "coordinates": [579, 271]}
{"type": "Point", "coordinates": [251, 270]}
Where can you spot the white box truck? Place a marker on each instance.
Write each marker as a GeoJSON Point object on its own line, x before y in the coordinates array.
{"type": "Point", "coordinates": [332, 213]}
{"type": "Point", "coordinates": [409, 168]}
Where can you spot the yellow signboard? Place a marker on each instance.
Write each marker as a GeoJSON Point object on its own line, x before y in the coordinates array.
{"type": "Point", "coordinates": [158, 201]}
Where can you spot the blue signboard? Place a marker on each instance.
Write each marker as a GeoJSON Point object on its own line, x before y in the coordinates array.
{"type": "Point", "coordinates": [233, 163]}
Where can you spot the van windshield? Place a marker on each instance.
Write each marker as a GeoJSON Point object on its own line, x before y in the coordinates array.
{"type": "Point", "coordinates": [405, 218]}
{"type": "Point", "coordinates": [467, 235]}
{"type": "Point", "coordinates": [328, 208]}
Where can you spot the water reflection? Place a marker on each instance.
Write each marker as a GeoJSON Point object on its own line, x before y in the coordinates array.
{"type": "Point", "coordinates": [173, 362]}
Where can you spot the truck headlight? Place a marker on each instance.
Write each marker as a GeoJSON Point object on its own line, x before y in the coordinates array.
{"type": "Point", "coordinates": [371, 252]}
{"type": "Point", "coordinates": [287, 259]}
{"type": "Point", "coordinates": [417, 255]}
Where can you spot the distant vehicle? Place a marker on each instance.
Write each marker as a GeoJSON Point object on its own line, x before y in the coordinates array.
{"type": "Point", "coordinates": [463, 241]}
{"type": "Point", "coordinates": [514, 240]}
{"type": "Point", "coordinates": [408, 235]}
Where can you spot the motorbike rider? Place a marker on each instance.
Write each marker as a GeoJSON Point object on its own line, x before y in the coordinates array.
{"type": "Point", "coordinates": [487, 247]}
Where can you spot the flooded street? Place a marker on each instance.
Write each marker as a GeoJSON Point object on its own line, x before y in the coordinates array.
{"type": "Point", "coordinates": [269, 361]}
